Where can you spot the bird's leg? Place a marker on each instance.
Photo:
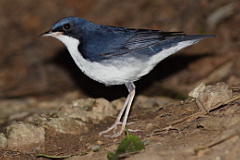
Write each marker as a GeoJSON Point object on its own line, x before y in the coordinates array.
{"type": "Point", "coordinates": [126, 108]}
{"type": "Point", "coordinates": [117, 121]}
{"type": "Point", "coordinates": [131, 90]}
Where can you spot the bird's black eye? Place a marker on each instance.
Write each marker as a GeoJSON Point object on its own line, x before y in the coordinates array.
{"type": "Point", "coordinates": [66, 27]}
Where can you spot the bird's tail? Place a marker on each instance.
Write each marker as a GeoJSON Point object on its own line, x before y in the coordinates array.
{"type": "Point", "coordinates": [191, 37]}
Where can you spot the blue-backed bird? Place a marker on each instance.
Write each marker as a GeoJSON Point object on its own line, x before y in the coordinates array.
{"type": "Point", "coordinates": [115, 55]}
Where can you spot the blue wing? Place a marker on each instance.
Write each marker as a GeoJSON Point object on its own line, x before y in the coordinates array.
{"type": "Point", "coordinates": [111, 42]}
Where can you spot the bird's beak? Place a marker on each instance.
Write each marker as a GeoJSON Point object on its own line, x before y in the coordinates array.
{"type": "Point", "coordinates": [46, 34]}
{"type": "Point", "coordinates": [50, 33]}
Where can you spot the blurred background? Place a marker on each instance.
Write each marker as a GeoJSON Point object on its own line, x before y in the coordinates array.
{"type": "Point", "coordinates": [42, 67]}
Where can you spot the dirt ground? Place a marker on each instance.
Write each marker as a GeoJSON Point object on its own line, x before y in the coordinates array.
{"type": "Point", "coordinates": [188, 107]}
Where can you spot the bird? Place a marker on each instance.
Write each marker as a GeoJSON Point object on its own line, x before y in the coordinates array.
{"type": "Point", "coordinates": [114, 55]}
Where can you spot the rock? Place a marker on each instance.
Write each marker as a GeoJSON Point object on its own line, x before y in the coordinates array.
{"type": "Point", "coordinates": [212, 96]}
{"type": "Point", "coordinates": [219, 123]}
{"type": "Point", "coordinates": [67, 125]}
{"type": "Point", "coordinates": [118, 103]}
{"type": "Point", "coordinates": [89, 110]}
{"type": "Point", "coordinates": [150, 102]}
{"type": "Point", "coordinates": [23, 137]}
{"type": "Point", "coordinates": [3, 140]}
{"type": "Point", "coordinates": [74, 119]}
{"type": "Point", "coordinates": [195, 93]}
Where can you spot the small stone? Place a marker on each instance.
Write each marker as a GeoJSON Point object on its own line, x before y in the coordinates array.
{"type": "Point", "coordinates": [147, 142]}
{"type": "Point", "coordinates": [96, 148]}
{"type": "Point", "coordinates": [149, 126]}
{"type": "Point", "coordinates": [100, 142]}
{"type": "Point", "coordinates": [195, 93]}
{"type": "Point", "coordinates": [84, 104]}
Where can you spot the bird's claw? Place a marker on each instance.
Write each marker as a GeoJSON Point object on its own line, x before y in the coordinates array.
{"type": "Point", "coordinates": [114, 128]}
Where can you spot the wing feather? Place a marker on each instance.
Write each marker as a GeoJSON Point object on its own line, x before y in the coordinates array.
{"type": "Point", "coordinates": [142, 38]}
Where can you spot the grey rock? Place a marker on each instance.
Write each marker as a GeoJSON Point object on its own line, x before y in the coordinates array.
{"type": "Point", "coordinates": [23, 137]}
{"type": "Point", "coordinates": [3, 140]}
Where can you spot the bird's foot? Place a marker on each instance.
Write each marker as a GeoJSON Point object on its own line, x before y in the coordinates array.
{"type": "Point", "coordinates": [114, 128]}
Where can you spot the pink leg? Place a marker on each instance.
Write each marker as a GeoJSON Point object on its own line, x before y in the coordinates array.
{"type": "Point", "coordinates": [126, 108]}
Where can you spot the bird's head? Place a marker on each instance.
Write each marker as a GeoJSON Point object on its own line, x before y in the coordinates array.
{"type": "Point", "coordinates": [73, 27]}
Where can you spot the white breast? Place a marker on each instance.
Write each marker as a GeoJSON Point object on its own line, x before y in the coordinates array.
{"type": "Point", "coordinates": [103, 73]}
